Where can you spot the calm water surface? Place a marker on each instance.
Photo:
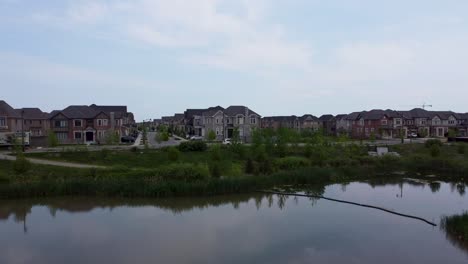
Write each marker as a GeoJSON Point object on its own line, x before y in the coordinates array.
{"type": "Point", "coordinates": [237, 229]}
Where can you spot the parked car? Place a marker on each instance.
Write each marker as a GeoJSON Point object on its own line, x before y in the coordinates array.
{"type": "Point", "coordinates": [127, 139]}
{"type": "Point", "coordinates": [227, 141]}
{"type": "Point", "coordinates": [413, 135]}
{"type": "Point", "coordinates": [196, 138]}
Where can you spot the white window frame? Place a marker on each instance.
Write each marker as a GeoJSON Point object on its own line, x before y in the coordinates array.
{"type": "Point", "coordinates": [75, 132]}
{"type": "Point", "coordinates": [3, 121]}
{"type": "Point", "coordinates": [81, 122]}
{"type": "Point", "coordinates": [254, 119]}
{"type": "Point", "coordinates": [240, 118]}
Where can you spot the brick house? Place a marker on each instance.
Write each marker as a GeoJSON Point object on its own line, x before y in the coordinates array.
{"type": "Point", "coordinates": [328, 124]}
{"type": "Point", "coordinates": [37, 124]}
{"type": "Point", "coordinates": [10, 122]}
{"type": "Point", "coordinates": [298, 123]}
{"type": "Point", "coordinates": [80, 124]}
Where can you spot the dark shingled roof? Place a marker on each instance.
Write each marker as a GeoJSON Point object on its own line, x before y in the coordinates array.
{"type": "Point", "coordinates": [309, 116]}
{"type": "Point", "coordinates": [375, 114]}
{"type": "Point", "coordinates": [325, 118]}
{"type": "Point", "coordinates": [238, 110]}
{"type": "Point", "coordinates": [442, 114]}
{"type": "Point", "coordinates": [280, 118]}
{"type": "Point", "coordinates": [33, 113]}
{"type": "Point", "coordinates": [190, 113]}
{"type": "Point", "coordinates": [6, 109]}
{"type": "Point", "coordinates": [80, 111]}
{"type": "Point", "coordinates": [118, 110]}
{"type": "Point", "coordinates": [354, 116]}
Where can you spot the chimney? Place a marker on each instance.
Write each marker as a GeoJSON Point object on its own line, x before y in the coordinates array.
{"type": "Point", "coordinates": [112, 120]}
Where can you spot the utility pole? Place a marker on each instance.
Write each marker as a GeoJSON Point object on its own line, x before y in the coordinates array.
{"type": "Point", "coordinates": [22, 130]}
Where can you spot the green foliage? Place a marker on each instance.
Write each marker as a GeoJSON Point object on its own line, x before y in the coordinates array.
{"type": "Point", "coordinates": [215, 169]}
{"type": "Point", "coordinates": [161, 136]}
{"type": "Point", "coordinates": [308, 150]}
{"type": "Point", "coordinates": [193, 146]}
{"type": "Point", "coordinates": [452, 133]}
{"type": "Point", "coordinates": [431, 142]}
{"type": "Point", "coordinates": [249, 166]}
{"type": "Point", "coordinates": [211, 135]}
{"type": "Point", "coordinates": [182, 172]}
{"type": "Point", "coordinates": [461, 148]}
{"type": "Point", "coordinates": [291, 163]}
{"type": "Point", "coordinates": [52, 140]}
{"type": "Point", "coordinates": [21, 165]}
{"type": "Point", "coordinates": [173, 154]}
{"type": "Point", "coordinates": [435, 150]}
{"type": "Point", "coordinates": [215, 153]}
{"type": "Point", "coordinates": [112, 138]}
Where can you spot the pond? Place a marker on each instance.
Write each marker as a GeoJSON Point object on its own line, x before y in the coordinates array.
{"type": "Point", "coordinates": [252, 228]}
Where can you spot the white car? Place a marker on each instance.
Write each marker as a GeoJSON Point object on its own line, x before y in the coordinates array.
{"type": "Point", "coordinates": [196, 138]}
{"type": "Point", "coordinates": [227, 141]}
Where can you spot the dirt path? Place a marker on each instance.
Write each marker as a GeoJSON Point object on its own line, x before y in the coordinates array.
{"type": "Point", "coordinates": [4, 156]}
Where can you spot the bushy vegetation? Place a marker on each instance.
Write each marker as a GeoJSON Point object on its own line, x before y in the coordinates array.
{"type": "Point", "coordinates": [193, 146]}
{"type": "Point", "coordinates": [194, 168]}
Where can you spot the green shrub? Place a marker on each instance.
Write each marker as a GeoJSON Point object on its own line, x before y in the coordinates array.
{"type": "Point", "coordinates": [193, 146]}
{"type": "Point", "coordinates": [173, 154]}
{"type": "Point", "coordinates": [52, 140]}
{"type": "Point", "coordinates": [216, 153]}
{"type": "Point", "coordinates": [134, 149]}
{"type": "Point", "coordinates": [21, 165]}
{"type": "Point", "coordinates": [290, 163]}
{"type": "Point", "coordinates": [215, 169]}
{"type": "Point", "coordinates": [211, 135]}
{"type": "Point", "coordinates": [461, 148]}
{"type": "Point", "coordinates": [435, 150]}
{"type": "Point", "coordinates": [249, 166]}
{"type": "Point", "coordinates": [431, 142]}
{"type": "Point", "coordinates": [183, 172]}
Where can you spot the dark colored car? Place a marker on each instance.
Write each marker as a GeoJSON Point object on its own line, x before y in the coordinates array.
{"type": "Point", "coordinates": [127, 139]}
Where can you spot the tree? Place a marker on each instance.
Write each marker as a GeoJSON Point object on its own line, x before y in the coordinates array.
{"type": "Point", "coordinates": [52, 140]}
{"type": "Point", "coordinates": [173, 154]}
{"type": "Point", "coordinates": [211, 135]}
{"type": "Point", "coordinates": [112, 138]}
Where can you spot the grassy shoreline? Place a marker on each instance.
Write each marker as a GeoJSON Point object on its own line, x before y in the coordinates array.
{"type": "Point", "coordinates": [217, 170]}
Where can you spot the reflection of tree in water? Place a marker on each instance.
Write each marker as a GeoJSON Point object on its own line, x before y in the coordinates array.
{"type": "Point", "coordinates": [448, 225]}
{"type": "Point", "coordinates": [435, 186]}
{"type": "Point", "coordinates": [461, 189]}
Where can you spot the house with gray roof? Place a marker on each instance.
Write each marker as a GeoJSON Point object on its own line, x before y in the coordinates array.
{"type": "Point", "coordinates": [223, 122]}
{"type": "Point", "coordinates": [10, 119]}
{"type": "Point", "coordinates": [80, 124]}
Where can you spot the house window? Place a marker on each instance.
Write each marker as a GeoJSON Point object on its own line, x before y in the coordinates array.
{"type": "Point", "coordinates": [78, 135]}
{"type": "Point", "coordinates": [60, 123]}
{"type": "Point", "coordinates": [102, 122]}
{"type": "Point", "coordinates": [77, 123]}
{"type": "Point", "coordinates": [253, 120]}
{"type": "Point", "coordinates": [228, 120]}
{"type": "Point", "coordinates": [384, 122]}
{"type": "Point", "coordinates": [217, 129]}
{"type": "Point", "coordinates": [240, 120]}
{"type": "Point", "coordinates": [241, 132]}
{"type": "Point", "coordinates": [101, 134]}
{"type": "Point", "coordinates": [62, 136]}
{"type": "Point", "coordinates": [372, 130]}
{"type": "Point", "coordinates": [3, 122]}
{"type": "Point", "coordinates": [398, 121]}
{"type": "Point", "coordinates": [451, 122]}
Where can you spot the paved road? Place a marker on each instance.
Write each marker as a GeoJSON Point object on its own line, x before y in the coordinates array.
{"type": "Point", "coordinates": [4, 156]}
{"type": "Point", "coordinates": [173, 141]}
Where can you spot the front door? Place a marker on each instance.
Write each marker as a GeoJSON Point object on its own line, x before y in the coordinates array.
{"type": "Point", "coordinates": [89, 136]}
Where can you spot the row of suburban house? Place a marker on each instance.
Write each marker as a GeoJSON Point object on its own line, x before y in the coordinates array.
{"type": "Point", "coordinates": [360, 125]}
{"type": "Point", "coordinates": [76, 124]}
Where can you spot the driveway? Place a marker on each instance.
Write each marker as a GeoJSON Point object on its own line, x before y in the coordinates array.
{"type": "Point", "coordinates": [173, 141]}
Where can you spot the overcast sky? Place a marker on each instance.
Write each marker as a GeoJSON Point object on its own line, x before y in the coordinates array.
{"type": "Point", "coordinates": [279, 57]}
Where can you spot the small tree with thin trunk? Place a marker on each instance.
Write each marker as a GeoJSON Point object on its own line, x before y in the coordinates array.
{"type": "Point", "coordinates": [52, 140]}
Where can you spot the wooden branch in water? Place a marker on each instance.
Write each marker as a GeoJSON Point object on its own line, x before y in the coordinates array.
{"type": "Point", "coordinates": [353, 203]}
